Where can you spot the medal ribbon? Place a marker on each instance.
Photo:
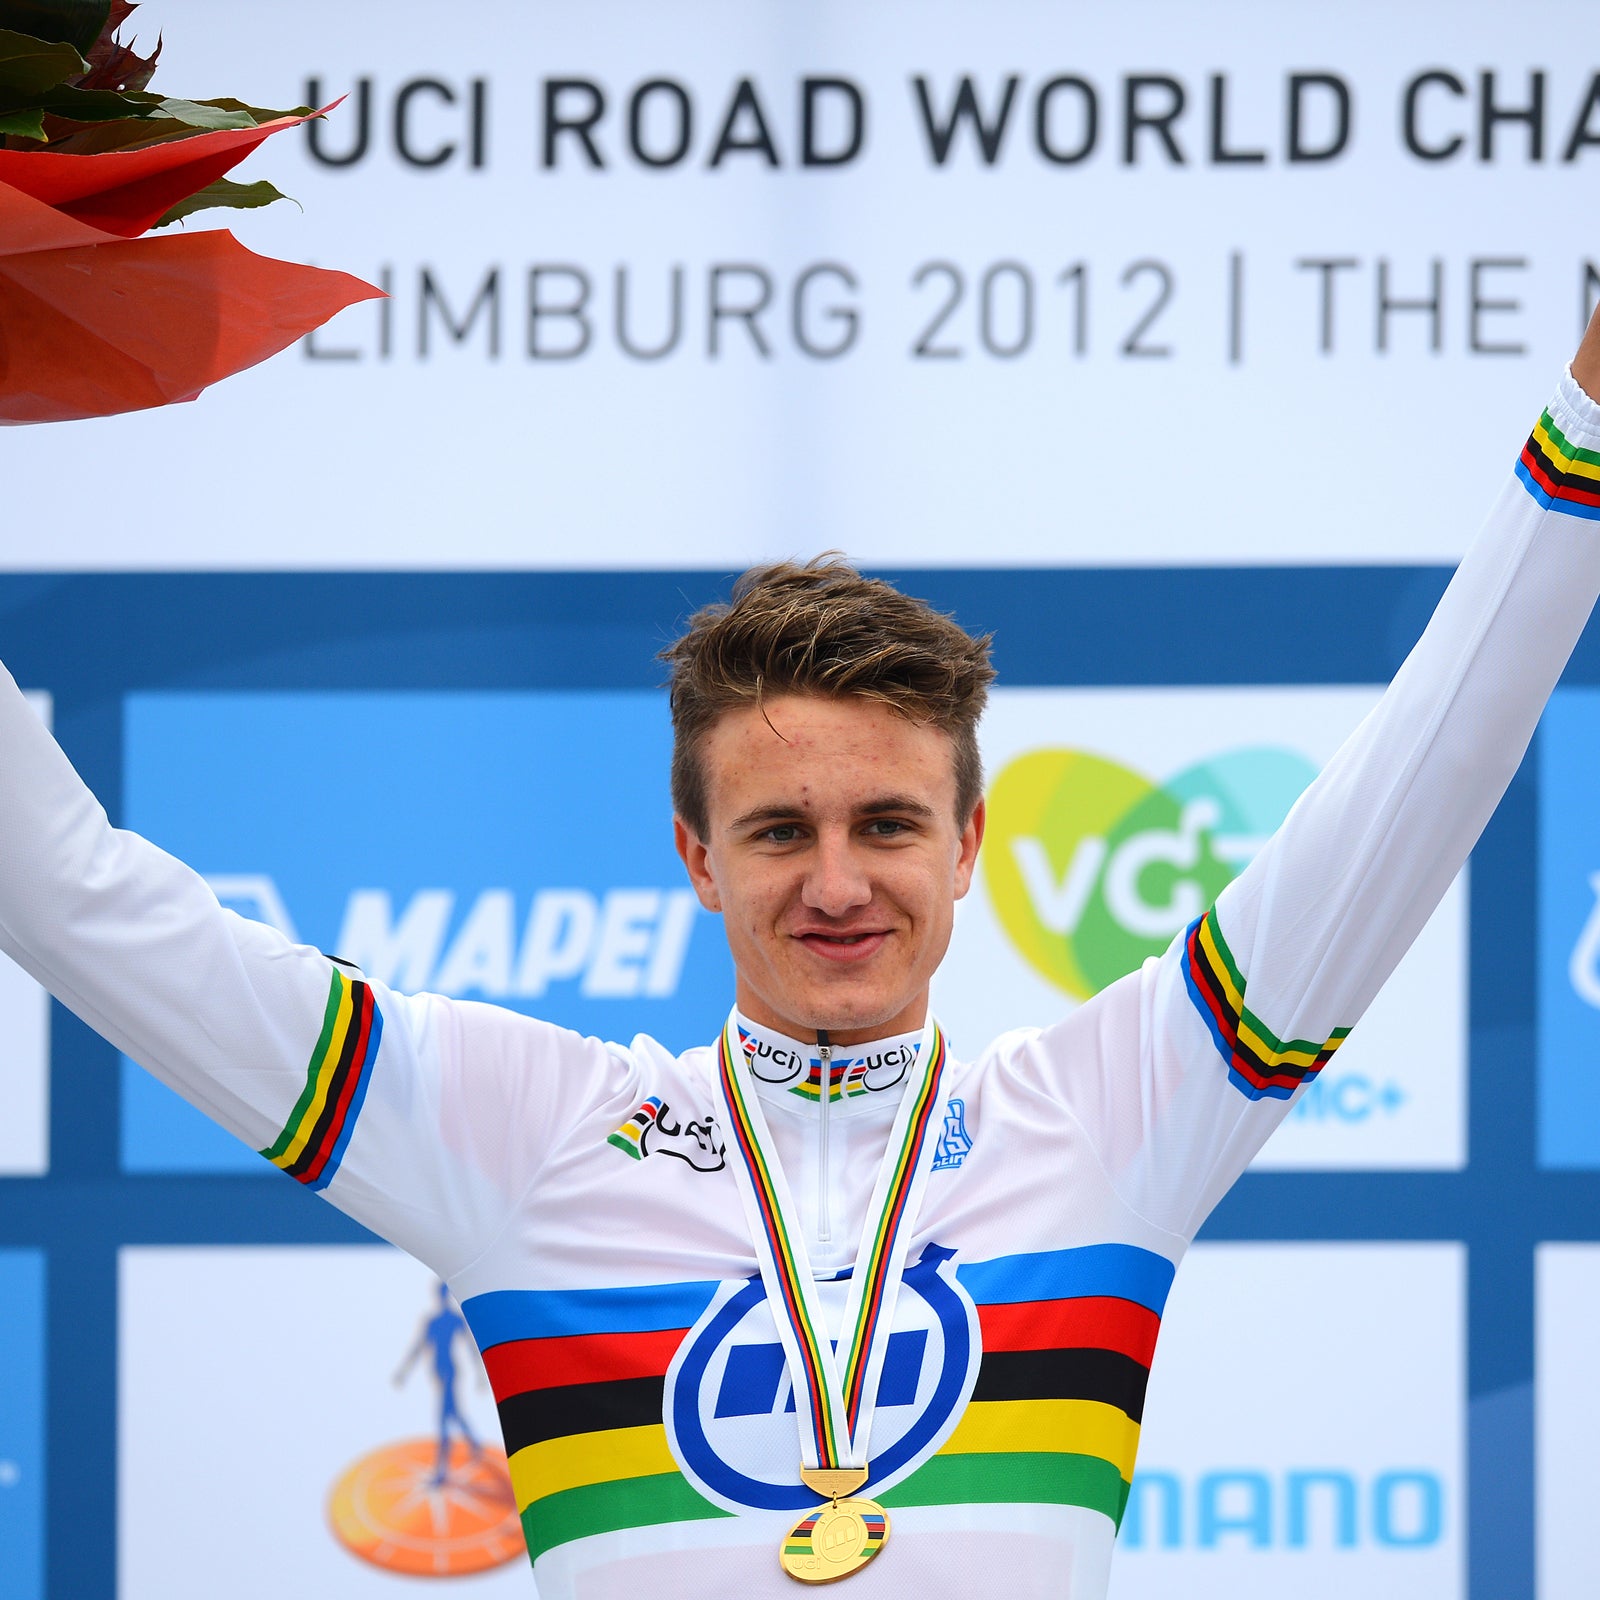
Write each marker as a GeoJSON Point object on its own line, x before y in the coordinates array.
{"type": "Point", "coordinates": [830, 1390]}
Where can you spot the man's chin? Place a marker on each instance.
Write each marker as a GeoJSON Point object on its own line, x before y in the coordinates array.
{"type": "Point", "coordinates": [867, 1012]}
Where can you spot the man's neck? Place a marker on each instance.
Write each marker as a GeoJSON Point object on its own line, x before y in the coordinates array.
{"type": "Point", "coordinates": [910, 1018]}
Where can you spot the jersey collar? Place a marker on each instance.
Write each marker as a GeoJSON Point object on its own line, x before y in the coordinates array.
{"type": "Point", "coordinates": [788, 1073]}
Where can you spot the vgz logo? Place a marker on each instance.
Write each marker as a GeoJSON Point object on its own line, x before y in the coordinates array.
{"type": "Point", "coordinates": [1092, 867]}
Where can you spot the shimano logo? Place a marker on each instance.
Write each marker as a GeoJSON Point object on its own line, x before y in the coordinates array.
{"type": "Point", "coordinates": [1323, 1508]}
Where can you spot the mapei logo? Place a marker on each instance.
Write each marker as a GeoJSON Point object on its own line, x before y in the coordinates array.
{"type": "Point", "coordinates": [254, 895]}
{"type": "Point", "coordinates": [730, 1406]}
{"type": "Point", "coordinates": [619, 944]}
{"type": "Point", "coordinates": [1091, 867]}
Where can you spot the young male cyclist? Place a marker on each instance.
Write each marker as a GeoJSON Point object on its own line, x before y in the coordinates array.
{"type": "Point", "coordinates": [820, 1298]}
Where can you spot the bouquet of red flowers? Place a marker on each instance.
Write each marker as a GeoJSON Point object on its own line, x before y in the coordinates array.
{"type": "Point", "coordinates": [94, 318]}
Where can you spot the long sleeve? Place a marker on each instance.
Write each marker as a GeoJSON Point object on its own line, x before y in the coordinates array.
{"type": "Point", "coordinates": [424, 1118]}
{"type": "Point", "coordinates": [1256, 996]}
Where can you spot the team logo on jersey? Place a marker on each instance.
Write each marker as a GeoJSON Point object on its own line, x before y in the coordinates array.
{"type": "Point", "coordinates": [729, 1406]}
{"type": "Point", "coordinates": [653, 1130]}
{"type": "Point", "coordinates": [955, 1143]}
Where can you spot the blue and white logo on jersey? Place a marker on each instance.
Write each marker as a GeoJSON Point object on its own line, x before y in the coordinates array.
{"type": "Point", "coordinates": [955, 1143]}
{"type": "Point", "coordinates": [730, 1411]}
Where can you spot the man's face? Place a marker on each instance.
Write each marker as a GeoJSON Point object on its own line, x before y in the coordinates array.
{"type": "Point", "coordinates": [835, 855]}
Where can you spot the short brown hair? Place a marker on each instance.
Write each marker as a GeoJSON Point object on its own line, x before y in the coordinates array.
{"type": "Point", "coordinates": [821, 628]}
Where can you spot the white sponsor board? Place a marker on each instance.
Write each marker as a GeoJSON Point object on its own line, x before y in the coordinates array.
{"type": "Point", "coordinates": [689, 282]}
{"type": "Point", "coordinates": [1077, 782]}
{"type": "Point", "coordinates": [1286, 1449]}
{"type": "Point", "coordinates": [25, 1055]}
{"type": "Point", "coordinates": [1269, 1467]}
{"type": "Point", "coordinates": [1567, 1413]}
{"type": "Point", "coordinates": [250, 1381]}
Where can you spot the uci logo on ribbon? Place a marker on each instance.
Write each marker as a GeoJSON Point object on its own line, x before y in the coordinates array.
{"type": "Point", "coordinates": [729, 1406]}
{"type": "Point", "coordinates": [1092, 867]}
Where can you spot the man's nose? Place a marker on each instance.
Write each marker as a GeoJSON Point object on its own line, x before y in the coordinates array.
{"type": "Point", "coordinates": [836, 883]}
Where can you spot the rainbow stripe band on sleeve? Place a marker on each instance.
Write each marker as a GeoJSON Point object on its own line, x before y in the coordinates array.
{"type": "Point", "coordinates": [1559, 475]}
{"type": "Point", "coordinates": [1260, 1065]}
{"type": "Point", "coordinates": [313, 1140]}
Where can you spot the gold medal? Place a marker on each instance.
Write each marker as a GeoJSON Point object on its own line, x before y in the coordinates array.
{"type": "Point", "coordinates": [839, 1538]}
{"type": "Point", "coordinates": [832, 1381]}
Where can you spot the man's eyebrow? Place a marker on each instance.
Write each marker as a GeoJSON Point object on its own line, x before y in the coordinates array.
{"type": "Point", "coordinates": [895, 803]}
{"type": "Point", "coordinates": [781, 813]}
{"type": "Point", "coordinates": [885, 805]}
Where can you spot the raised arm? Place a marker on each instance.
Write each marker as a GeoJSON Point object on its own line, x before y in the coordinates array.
{"type": "Point", "coordinates": [424, 1118]}
{"type": "Point", "coordinates": [1253, 1000]}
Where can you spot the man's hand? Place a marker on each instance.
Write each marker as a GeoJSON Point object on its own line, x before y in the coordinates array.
{"type": "Point", "coordinates": [1586, 364]}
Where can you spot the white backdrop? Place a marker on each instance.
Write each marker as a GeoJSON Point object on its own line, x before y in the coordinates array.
{"type": "Point", "coordinates": [1128, 357]}
{"type": "Point", "coordinates": [1262, 1478]}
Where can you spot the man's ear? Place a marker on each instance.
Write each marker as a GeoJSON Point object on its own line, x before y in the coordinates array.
{"type": "Point", "coordinates": [697, 862]}
{"type": "Point", "coordinates": [971, 839]}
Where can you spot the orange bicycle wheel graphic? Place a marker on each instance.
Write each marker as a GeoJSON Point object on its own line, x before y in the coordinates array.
{"type": "Point", "coordinates": [388, 1509]}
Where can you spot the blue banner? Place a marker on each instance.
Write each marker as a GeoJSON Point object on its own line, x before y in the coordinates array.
{"type": "Point", "coordinates": [22, 1424]}
{"type": "Point", "coordinates": [508, 847]}
{"type": "Point", "coordinates": [1569, 931]}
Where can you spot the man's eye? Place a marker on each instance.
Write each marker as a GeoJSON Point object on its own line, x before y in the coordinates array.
{"type": "Point", "coordinates": [885, 827]}
{"type": "Point", "coordinates": [782, 833]}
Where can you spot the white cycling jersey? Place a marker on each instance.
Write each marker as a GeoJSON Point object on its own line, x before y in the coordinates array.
{"type": "Point", "coordinates": [576, 1195]}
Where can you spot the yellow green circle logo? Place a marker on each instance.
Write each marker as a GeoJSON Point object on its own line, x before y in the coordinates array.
{"type": "Point", "coordinates": [1091, 867]}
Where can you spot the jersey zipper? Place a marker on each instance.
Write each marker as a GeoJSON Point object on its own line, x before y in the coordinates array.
{"type": "Point", "coordinates": [824, 1210]}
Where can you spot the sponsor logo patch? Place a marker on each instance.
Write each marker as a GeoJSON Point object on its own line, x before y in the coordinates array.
{"type": "Point", "coordinates": [730, 1403]}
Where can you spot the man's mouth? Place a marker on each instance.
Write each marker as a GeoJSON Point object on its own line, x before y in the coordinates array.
{"type": "Point", "coordinates": [853, 946]}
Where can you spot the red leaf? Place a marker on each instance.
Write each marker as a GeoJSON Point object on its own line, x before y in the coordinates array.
{"type": "Point", "coordinates": [126, 191]}
{"type": "Point", "coordinates": [113, 65]}
{"type": "Point", "coordinates": [122, 326]}
{"type": "Point", "coordinates": [28, 224]}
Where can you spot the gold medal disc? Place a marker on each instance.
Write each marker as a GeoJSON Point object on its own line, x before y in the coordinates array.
{"type": "Point", "coordinates": [834, 1541]}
